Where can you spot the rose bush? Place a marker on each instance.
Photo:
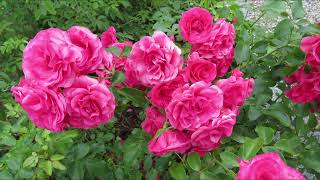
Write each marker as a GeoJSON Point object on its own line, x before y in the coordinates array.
{"type": "Point", "coordinates": [125, 105]}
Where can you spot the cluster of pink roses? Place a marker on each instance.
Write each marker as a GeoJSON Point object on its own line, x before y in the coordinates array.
{"type": "Point", "coordinates": [305, 81]}
{"type": "Point", "coordinates": [56, 92]}
{"type": "Point", "coordinates": [199, 114]}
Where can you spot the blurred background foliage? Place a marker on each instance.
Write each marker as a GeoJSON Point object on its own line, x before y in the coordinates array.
{"type": "Point", "coordinates": [117, 150]}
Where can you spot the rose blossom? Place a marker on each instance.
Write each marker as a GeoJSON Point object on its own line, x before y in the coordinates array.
{"type": "Point", "coordinates": [218, 49]}
{"type": "Point", "coordinates": [91, 48]}
{"type": "Point", "coordinates": [311, 46]}
{"type": "Point", "coordinates": [154, 121]}
{"type": "Point", "coordinates": [50, 58]}
{"type": "Point", "coordinates": [160, 94]}
{"type": "Point", "coordinates": [200, 70]}
{"type": "Point", "coordinates": [153, 60]}
{"type": "Point", "coordinates": [109, 37]}
{"type": "Point", "coordinates": [196, 25]}
{"type": "Point", "coordinates": [305, 86]}
{"type": "Point", "coordinates": [89, 103]}
{"type": "Point", "coordinates": [193, 106]}
{"type": "Point", "coordinates": [267, 166]}
{"type": "Point", "coordinates": [235, 89]}
{"type": "Point", "coordinates": [169, 141]}
{"type": "Point", "coordinates": [207, 137]}
{"type": "Point", "coordinates": [45, 107]}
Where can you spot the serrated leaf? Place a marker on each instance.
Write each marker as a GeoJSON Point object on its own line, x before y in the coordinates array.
{"type": "Point", "coordinates": [118, 77]}
{"type": "Point", "coordinates": [56, 157]}
{"type": "Point", "coordinates": [136, 96]}
{"type": "Point", "coordinates": [229, 159]}
{"type": "Point", "coordinates": [311, 159]}
{"type": "Point", "coordinates": [254, 113]}
{"type": "Point", "coordinates": [282, 117]}
{"type": "Point", "coordinates": [58, 165]}
{"type": "Point", "coordinates": [5, 175]}
{"type": "Point", "coordinates": [242, 52]}
{"type": "Point", "coordinates": [81, 150]}
{"type": "Point", "coordinates": [30, 161]}
{"type": "Point", "coordinates": [266, 133]}
{"type": "Point", "coordinates": [126, 51]}
{"type": "Point", "coordinates": [46, 166]}
{"type": "Point", "coordinates": [289, 145]}
{"type": "Point", "coordinates": [114, 50]}
{"type": "Point", "coordinates": [194, 161]}
{"type": "Point", "coordinates": [250, 148]}
{"type": "Point", "coordinates": [297, 9]}
{"type": "Point", "coordinates": [177, 171]}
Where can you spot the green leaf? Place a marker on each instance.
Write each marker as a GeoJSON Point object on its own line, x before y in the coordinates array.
{"type": "Point", "coordinates": [30, 161]}
{"type": "Point", "coordinates": [283, 30]}
{"type": "Point", "coordinates": [134, 148]}
{"type": "Point", "coordinates": [136, 96]}
{"type": "Point", "coordinates": [297, 9]}
{"type": "Point", "coordinates": [96, 167]}
{"type": "Point", "coordinates": [311, 159]}
{"type": "Point", "coordinates": [13, 164]}
{"type": "Point", "coordinates": [282, 117]}
{"type": "Point", "coordinates": [58, 165]}
{"type": "Point", "coordinates": [250, 148]}
{"type": "Point", "coordinates": [8, 140]}
{"type": "Point", "coordinates": [119, 174]}
{"type": "Point", "coordinates": [177, 171]}
{"type": "Point", "coordinates": [274, 8]}
{"type": "Point", "coordinates": [56, 157]}
{"type": "Point", "coordinates": [254, 113]}
{"type": "Point", "coordinates": [152, 174]}
{"type": "Point", "coordinates": [46, 166]}
{"type": "Point", "coordinates": [266, 133]}
{"type": "Point", "coordinates": [229, 159]}
{"type": "Point", "coordinates": [114, 50]}
{"type": "Point", "coordinates": [5, 175]}
{"type": "Point", "coordinates": [77, 171]}
{"type": "Point", "coordinates": [194, 161]}
{"type": "Point", "coordinates": [242, 52]}
{"type": "Point", "coordinates": [126, 51]}
{"type": "Point", "coordinates": [25, 173]}
{"type": "Point", "coordinates": [118, 77]}
{"type": "Point", "coordinates": [289, 145]}
{"type": "Point", "coordinates": [81, 150]}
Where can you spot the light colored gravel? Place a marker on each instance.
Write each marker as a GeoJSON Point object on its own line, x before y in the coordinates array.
{"type": "Point", "coordinates": [311, 8]}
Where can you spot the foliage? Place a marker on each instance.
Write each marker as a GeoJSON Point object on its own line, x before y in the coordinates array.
{"type": "Point", "coordinates": [118, 150]}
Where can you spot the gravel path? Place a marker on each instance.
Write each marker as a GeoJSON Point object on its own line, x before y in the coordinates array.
{"type": "Point", "coordinates": [311, 8]}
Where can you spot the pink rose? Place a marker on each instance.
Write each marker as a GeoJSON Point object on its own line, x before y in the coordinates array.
{"type": "Point", "coordinates": [154, 121]}
{"type": "Point", "coordinates": [89, 103]}
{"type": "Point", "coordinates": [235, 89]}
{"type": "Point", "coordinates": [169, 141]}
{"type": "Point", "coordinates": [45, 107]}
{"type": "Point", "coordinates": [153, 60]}
{"type": "Point", "coordinates": [91, 49]}
{"type": "Point", "coordinates": [160, 94]}
{"type": "Point", "coordinates": [306, 86]}
{"type": "Point", "coordinates": [196, 25]}
{"type": "Point", "coordinates": [218, 49]}
{"type": "Point", "coordinates": [311, 46]}
{"type": "Point", "coordinates": [267, 166]}
{"type": "Point", "coordinates": [109, 37]}
{"type": "Point", "coordinates": [193, 106]}
{"type": "Point", "coordinates": [200, 70]}
{"type": "Point", "coordinates": [205, 139]}
{"type": "Point", "coordinates": [225, 122]}
{"type": "Point", "coordinates": [50, 59]}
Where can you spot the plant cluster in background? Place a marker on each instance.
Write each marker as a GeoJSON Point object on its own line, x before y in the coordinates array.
{"type": "Point", "coordinates": [268, 121]}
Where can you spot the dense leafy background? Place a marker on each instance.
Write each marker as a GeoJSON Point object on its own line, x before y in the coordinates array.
{"type": "Point", "coordinates": [268, 121]}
